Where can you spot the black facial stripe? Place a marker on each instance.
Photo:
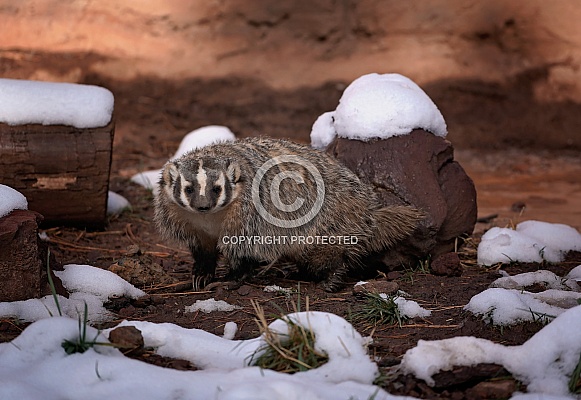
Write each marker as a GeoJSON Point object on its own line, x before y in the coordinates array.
{"type": "Point", "coordinates": [177, 191]}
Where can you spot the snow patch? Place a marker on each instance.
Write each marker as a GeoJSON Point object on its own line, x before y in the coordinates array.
{"type": "Point", "coordinates": [34, 365]}
{"type": "Point", "coordinates": [211, 305]}
{"type": "Point", "coordinates": [507, 303]}
{"type": "Point", "coordinates": [544, 362]}
{"type": "Point", "coordinates": [87, 285]}
{"type": "Point", "coordinates": [116, 203]}
{"type": "Point", "coordinates": [411, 308]}
{"type": "Point", "coordinates": [531, 241]}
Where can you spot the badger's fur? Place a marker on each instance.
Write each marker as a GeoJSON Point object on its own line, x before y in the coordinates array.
{"type": "Point", "coordinates": [206, 200]}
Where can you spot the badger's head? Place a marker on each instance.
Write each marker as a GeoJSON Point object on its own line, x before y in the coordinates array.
{"type": "Point", "coordinates": [201, 185]}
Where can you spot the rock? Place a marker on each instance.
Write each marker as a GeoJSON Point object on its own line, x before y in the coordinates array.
{"type": "Point", "coordinates": [492, 390]}
{"type": "Point", "coordinates": [461, 375]}
{"type": "Point", "coordinates": [419, 170]}
{"type": "Point", "coordinates": [447, 265]}
{"type": "Point", "coordinates": [23, 258]}
{"type": "Point", "coordinates": [128, 339]}
{"type": "Point", "coordinates": [244, 290]}
{"type": "Point", "coordinates": [374, 286]}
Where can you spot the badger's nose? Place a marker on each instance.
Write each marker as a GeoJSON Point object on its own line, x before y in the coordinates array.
{"type": "Point", "coordinates": [203, 208]}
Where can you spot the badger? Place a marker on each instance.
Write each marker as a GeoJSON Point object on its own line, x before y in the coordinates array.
{"type": "Point", "coordinates": [261, 200]}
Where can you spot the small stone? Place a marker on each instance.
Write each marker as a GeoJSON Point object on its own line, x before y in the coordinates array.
{"type": "Point", "coordinates": [394, 275]}
{"type": "Point", "coordinates": [128, 339]}
{"type": "Point", "coordinates": [492, 390]}
{"type": "Point", "coordinates": [143, 301]}
{"type": "Point", "coordinates": [244, 290]}
{"type": "Point", "coordinates": [375, 286]}
{"type": "Point", "coordinates": [447, 265]}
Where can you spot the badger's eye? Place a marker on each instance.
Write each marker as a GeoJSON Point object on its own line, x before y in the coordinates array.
{"type": "Point", "coordinates": [188, 190]}
{"type": "Point", "coordinates": [217, 189]}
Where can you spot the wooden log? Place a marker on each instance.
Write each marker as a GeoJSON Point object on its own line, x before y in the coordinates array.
{"type": "Point", "coordinates": [23, 258]}
{"type": "Point", "coordinates": [63, 171]}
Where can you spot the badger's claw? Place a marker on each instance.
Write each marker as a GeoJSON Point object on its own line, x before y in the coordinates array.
{"type": "Point", "coordinates": [199, 282]}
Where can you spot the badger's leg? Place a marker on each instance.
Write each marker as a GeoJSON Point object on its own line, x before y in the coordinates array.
{"type": "Point", "coordinates": [242, 268]}
{"type": "Point", "coordinates": [328, 264]}
{"type": "Point", "coordinates": [204, 267]}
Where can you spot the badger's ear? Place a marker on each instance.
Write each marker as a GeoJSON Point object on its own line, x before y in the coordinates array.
{"type": "Point", "coordinates": [170, 173]}
{"type": "Point", "coordinates": [233, 172]}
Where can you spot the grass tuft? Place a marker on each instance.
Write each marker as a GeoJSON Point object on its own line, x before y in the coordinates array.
{"type": "Point", "coordinates": [290, 353]}
{"type": "Point", "coordinates": [81, 344]}
{"type": "Point", "coordinates": [378, 310]}
{"type": "Point", "coordinates": [51, 285]}
{"type": "Point", "coordinates": [575, 380]}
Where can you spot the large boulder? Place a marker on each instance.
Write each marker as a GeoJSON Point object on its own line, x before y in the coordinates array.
{"type": "Point", "coordinates": [417, 169]}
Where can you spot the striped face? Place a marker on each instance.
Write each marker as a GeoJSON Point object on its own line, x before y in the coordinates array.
{"type": "Point", "coordinates": [201, 185]}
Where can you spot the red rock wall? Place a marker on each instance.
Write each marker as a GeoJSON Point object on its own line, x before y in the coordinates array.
{"type": "Point", "coordinates": [307, 42]}
{"type": "Point", "coordinates": [502, 71]}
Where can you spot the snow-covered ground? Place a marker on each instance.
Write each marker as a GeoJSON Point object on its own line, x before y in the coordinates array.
{"type": "Point", "coordinates": [35, 365]}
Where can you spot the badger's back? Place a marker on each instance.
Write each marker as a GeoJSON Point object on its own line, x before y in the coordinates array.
{"type": "Point", "coordinates": [285, 190]}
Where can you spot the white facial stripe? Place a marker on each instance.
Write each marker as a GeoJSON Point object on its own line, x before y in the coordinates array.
{"type": "Point", "coordinates": [221, 181]}
{"type": "Point", "coordinates": [202, 178]}
{"type": "Point", "coordinates": [183, 197]}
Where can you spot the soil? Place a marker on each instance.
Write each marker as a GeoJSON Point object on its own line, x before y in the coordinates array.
{"type": "Point", "coordinates": [152, 116]}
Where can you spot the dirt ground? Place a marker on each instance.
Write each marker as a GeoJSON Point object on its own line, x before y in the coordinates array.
{"type": "Point", "coordinates": [153, 115]}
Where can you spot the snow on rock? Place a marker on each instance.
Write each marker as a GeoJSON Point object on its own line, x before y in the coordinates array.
{"type": "Point", "coordinates": [196, 139]}
{"type": "Point", "coordinates": [211, 305]}
{"type": "Point", "coordinates": [323, 131]}
{"type": "Point", "coordinates": [379, 106]}
{"type": "Point", "coordinates": [116, 203]}
{"type": "Point", "coordinates": [531, 241]}
{"type": "Point", "coordinates": [544, 362]}
{"type": "Point", "coordinates": [50, 103]}
{"type": "Point", "coordinates": [99, 282]}
{"type": "Point", "coordinates": [11, 199]}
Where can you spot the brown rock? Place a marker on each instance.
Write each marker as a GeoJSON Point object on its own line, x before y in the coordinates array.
{"type": "Point", "coordinates": [466, 375]}
{"type": "Point", "coordinates": [492, 390]}
{"type": "Point", "coordinates": [23, 258]}
{"type": "Point", "coordinates": [447, 265]}
{"type": "Point", "coordinates": [419, 170]}
{"type": "Point", "coordinates": [128, 339]}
